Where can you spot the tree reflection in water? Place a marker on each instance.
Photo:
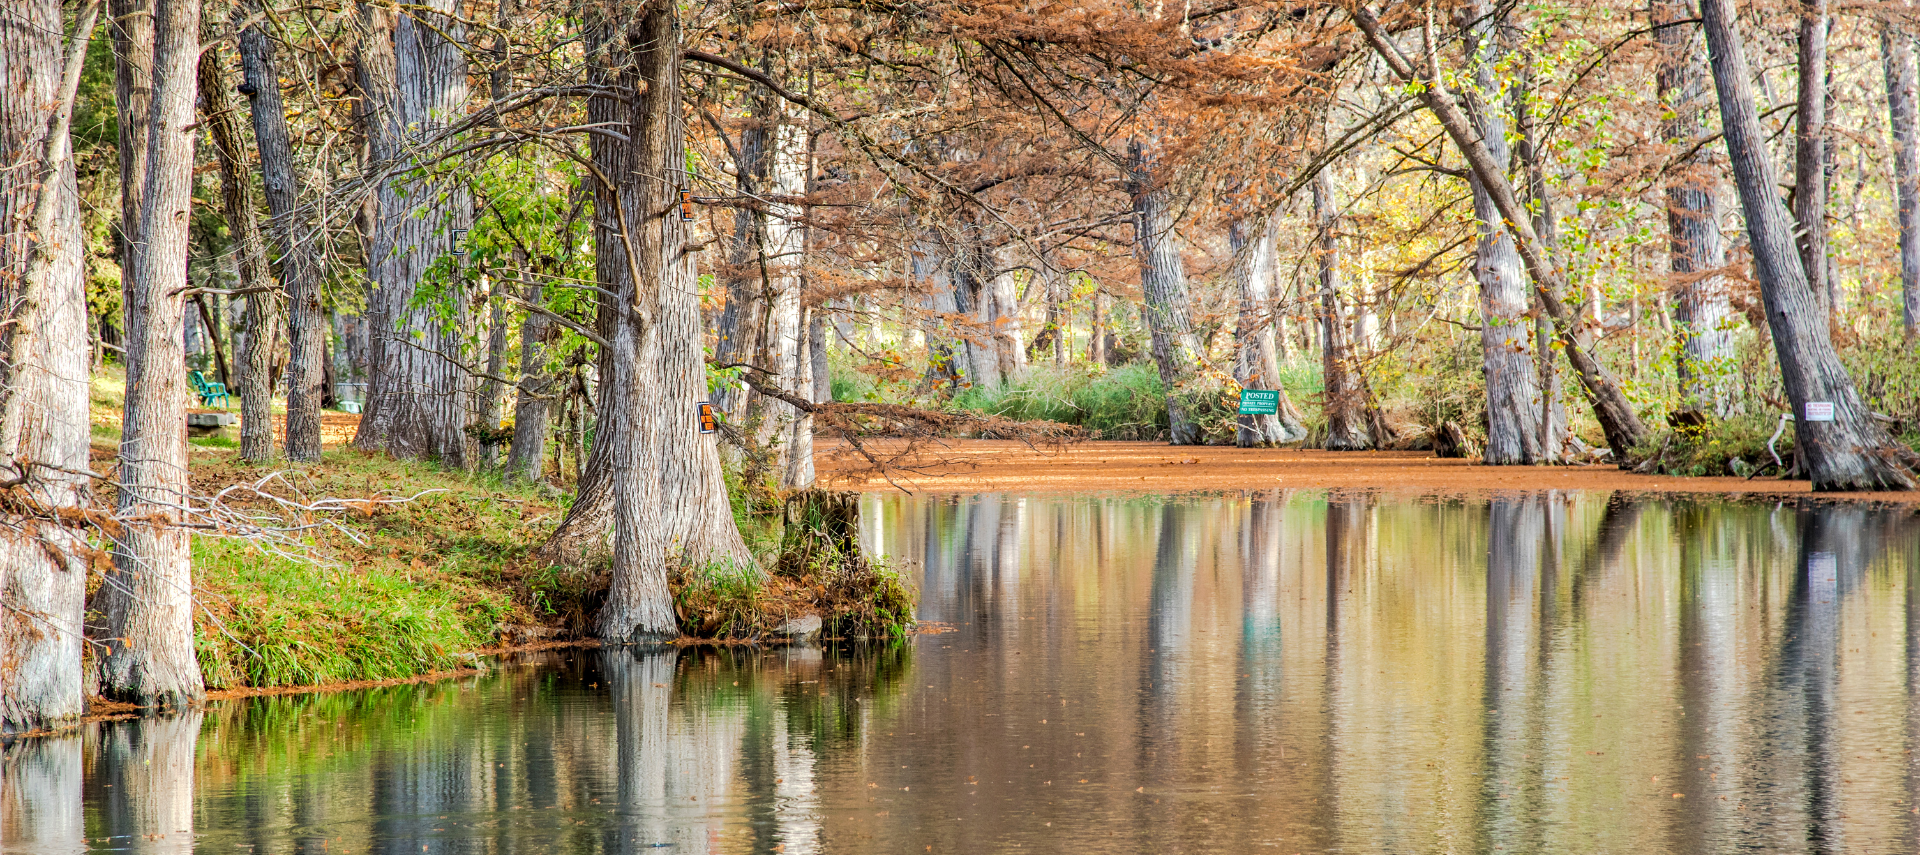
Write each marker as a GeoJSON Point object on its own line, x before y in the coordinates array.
{"type": "Point", "coordinates": [1549, 672]}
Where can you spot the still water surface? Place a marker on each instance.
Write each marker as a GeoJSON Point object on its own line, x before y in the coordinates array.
{"type": "Point", "coordinates": [1287, 672]}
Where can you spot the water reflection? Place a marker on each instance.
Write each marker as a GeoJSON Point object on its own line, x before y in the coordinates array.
{"type": "Point", "coordinates": [1549, 672]}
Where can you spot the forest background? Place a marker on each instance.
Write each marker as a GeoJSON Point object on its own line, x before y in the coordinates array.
{"type": "Point", "coordinates": [523, 240]}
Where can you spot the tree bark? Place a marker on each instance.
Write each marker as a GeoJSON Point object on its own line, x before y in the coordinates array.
{"type": "Point", "coordinates": [965, 304]}
{"type": "Point", "coordinates": [1552, 419]}
{"type": "Point", "coordinates": [1097, 328]}
{"type": "Point", "coordinates": [817, 351]}
{"type": "Point", "coordinates": [1255, 366]}
{"type": "Point", "coordinates": [799, 473]}
{"type": "Point", "coordinates": [534, 394]}
{"type": "Point", "coordinates": [783, 266]}
{"type": "Point", "coordinates": [1611, 408]}
{"type": "Point", "coordinates": [1852, 452]}
{"type": "Point", "coordinates": [1056, 331]}
{"type": "Point", "coordinates": [1163, 282]}
{"type": "Point", "coordinates": [44, 424]}
{"type": "Point", "coordinates": [492, 387]}
{"type": "Point", "coordinates": [819, 388]}
{"type": "Point", "coordinates": [499, 81]}
{"type": "Point", "coordinates": [1506, 339]}
{"type": "Point", "coordinates": [1001, 315]}
{"type": "Point", "coordinates": [414, 80]}
{"type": "Point", "coordinates": [1695, 248]}
{"type": "Point", "coordinates": [1345, 402]}
{"type": "Point", "coordinates": [255, 351]}
{"type": "Point", "coordinates": [1903, 113]}
{"type": "Point", "coordinates": [636, 226]}
{"type": "Point", "coordinates": [654, 479]}
{"type": "Point", "coordinates": [131, 23]}
{"type": "Point", "coordinates": [1810, 153]}
{"type": "Point", "coordinates": [147, 599]}
{"type": "Point", "coordinates": [743, 320]}
{"type": "Point", "coordinates": [930, 271]}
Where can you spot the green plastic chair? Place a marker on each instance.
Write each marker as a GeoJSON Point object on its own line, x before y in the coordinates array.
{"type": "Point", "coordinates": [209, 390]}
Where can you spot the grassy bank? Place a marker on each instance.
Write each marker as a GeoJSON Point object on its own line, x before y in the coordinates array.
{"type": "Point", "coordinates": [391, 591]}
{"type": "Point", "coordinates": [437, 569]}
{"type": "Point", "coordinates": [418, 586]}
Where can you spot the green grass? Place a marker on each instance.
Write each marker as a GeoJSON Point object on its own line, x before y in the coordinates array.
{"type": "Point", "coordinates": [1122, 403]}
{"type": "Point", "coordinates": [270, 621]}
{"type": "Point", "coordinates": [434, 577]}
{"type": "Point", "coordinates": [1128, 402]}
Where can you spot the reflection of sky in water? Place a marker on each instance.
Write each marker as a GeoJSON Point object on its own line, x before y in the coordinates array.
{"type": "Point", "coordinates": [1301, 672]}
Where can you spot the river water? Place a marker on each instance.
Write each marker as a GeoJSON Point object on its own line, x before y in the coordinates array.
{"type": "Point", "coordinates": [1285, 672]}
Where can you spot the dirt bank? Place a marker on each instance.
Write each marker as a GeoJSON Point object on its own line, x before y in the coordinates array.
{"type": "Point", "coordinates": [979, 466]}
{"type": "Point", "coordinates": [985, 466]}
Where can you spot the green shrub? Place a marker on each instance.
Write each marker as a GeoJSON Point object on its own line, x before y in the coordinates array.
{"type": "Point", "coordinates": [1887, 368]}
{"type": "Point", "coordinates": [1734, 446]}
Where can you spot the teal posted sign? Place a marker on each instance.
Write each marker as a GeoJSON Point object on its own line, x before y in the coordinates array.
{"type": "Point", "coordinates": [1259, 402]}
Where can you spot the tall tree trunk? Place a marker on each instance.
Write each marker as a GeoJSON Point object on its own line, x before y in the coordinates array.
{"type": "Point", "coordinates": [1097, 328]}
{"type": "Point", "coordinates": [499, 81]}
{"type": "Point", "coordinates": [348, 356]}
{"type": "Point", "coordinates": [147, 599]}
{"type": "Point", "coordinates": [43, 372]}
{"type": "Point", "coordinates": [1002, 318]}
{"type": "Point", "coordinates": [534, 395]}
{"type": "Point", "coordinates": [1163, 282]}
{"type": "Point", "coordinates": [254, 353]}
{"type": "Point", "coordinates": [819, 385]}
{"type": "Point", "coordinates": [1552, 410]}
{"type": "Point", "coordinates": [1903, 113]}
{"type": "Point", "coordinates": [493, 386]}
{"type": "Point", "coordinates": [1696, 251]}
{"type": "Point", "coordinates": [799, 473]}
{"type": "Point", "coordinates": [817, 351]}
{"type": "Point", "coordinates": [1506, 337]}
{"type": "Point", "coordinates": [1810, 153]}
{"type": "Point", "coordinates": [1255, 366]}
{"type": "Point", "coordinates": [699, 519]}
{"type": "Point", "coordinates": [1056, 331]}
{"type": "Point", "coordinates": [783, 264]}
{"type": "Point", "coordinates": [1852, 452]}
{"type": "Point", "coordinates": [131, 23]}
{"type": "Point", "coordinates": [653, 478]}
{"type": "Point", "coordinates": [930, 271]}
{"type": "Point", "coordinates": [1345, 402]}
{"type": "Point", "coordinates": [1611, 408]}
{"type": "Point", "coordinates": [743, 320]}
{"type": "Point", "coordinates": [964, 304]}
{"type": "Point", "coordinates": [414, 78]}
{"type": "Point", "coordinates": [634, 232]}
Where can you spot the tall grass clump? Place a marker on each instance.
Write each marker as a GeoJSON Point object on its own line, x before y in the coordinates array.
{"type": "Point", "coordinates": [1127, 402]}
{"type": "Point", "coordinates": [268, 620]}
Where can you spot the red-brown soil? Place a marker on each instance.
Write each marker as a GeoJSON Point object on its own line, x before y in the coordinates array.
{"type": "Point", "coordinates": [979, 466]}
